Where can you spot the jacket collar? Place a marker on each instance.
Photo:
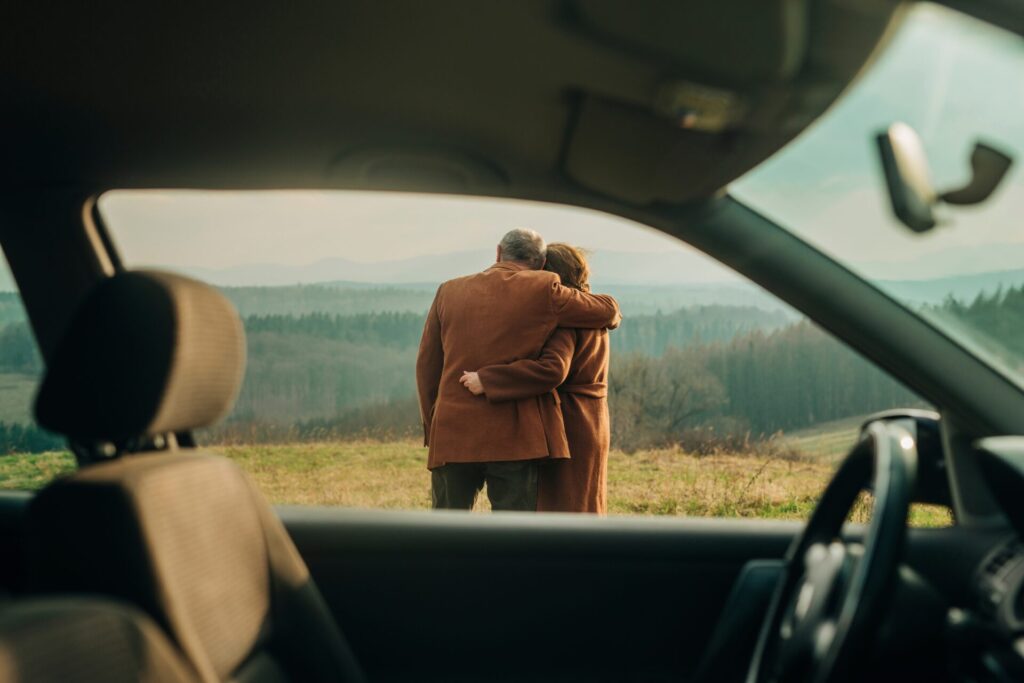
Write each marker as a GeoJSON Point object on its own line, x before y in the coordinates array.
{"type": "Point", "coordinates": [509, 265]}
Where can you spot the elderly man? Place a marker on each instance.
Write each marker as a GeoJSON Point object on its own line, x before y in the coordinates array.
{"type": "Point", "coordinates": [501, 315]}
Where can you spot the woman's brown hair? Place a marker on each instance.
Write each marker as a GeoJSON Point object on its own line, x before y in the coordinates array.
{"type": "Point", "coordinates": [569, 263]}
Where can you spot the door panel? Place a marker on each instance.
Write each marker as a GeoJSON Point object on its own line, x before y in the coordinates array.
{"type": "Point", "coordinates": [13, 505]}
{"type": "Point", "coordinates": [518, 597]}
{"type": "Point", "coordinates": [459, 597]}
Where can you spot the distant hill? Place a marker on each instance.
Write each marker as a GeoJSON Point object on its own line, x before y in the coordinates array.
{"type": "Point", "coordinates": [347, 298]}
{"type": "Point", "coordinates": [648, 299]}
{"type": "Point", "coordinates": [333, 298]}
{"type": "Point", "coordinates": [634, 268]}
{"type": "Point", "coordinates": [431, 268]}
{"type": "Point", "coordinates": [353, 296]}
{"type": "Point", "coordinates": [962, 287]}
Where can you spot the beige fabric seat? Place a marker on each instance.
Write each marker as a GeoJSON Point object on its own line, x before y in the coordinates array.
{"type": "Point", "coordinates": [184, 535]}
{"type": "Point", "coordinates": [81, 640]}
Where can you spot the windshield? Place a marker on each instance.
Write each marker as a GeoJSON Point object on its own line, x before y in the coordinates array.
{"type": "Point", "coordinates": [956, 81]}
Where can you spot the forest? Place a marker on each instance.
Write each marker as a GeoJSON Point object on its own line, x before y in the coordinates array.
{"type": "Point", "coordinates": [310, 377]}
{"type": "Point", "coordinates": [697, 375]}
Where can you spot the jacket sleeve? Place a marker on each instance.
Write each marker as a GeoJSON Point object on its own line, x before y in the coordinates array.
{"type": "Point", "coordinates": [525, 378]}
{"type": "Point", "coordinates": [574, 308]}
{"type": "Point", "coordinates": [429, 363]}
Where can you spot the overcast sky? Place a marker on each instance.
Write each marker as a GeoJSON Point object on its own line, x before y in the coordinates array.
{"type": "Point", "coordinates": [219, 230]}
{"type": "Point", "coordinates": [294, 227]}
{"type": "Point", "coordinates": [954, 79]}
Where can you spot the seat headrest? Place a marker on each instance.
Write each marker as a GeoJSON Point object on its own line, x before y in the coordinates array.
{"type": "Point", "coordinates": [147, 353]}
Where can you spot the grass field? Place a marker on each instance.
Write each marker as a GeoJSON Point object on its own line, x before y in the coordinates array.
{"type": "Point", "coordinates": [16, 392]}
{"type": "Point", "coordinates": [373, 474]}
{"type": "Point", "coordinates": [827, 441]}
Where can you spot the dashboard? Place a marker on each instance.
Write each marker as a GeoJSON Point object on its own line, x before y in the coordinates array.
{"type": "Point", "coordinates": [989, 638]}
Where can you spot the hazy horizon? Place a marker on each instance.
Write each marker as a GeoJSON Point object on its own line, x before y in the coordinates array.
{"type": "Point", "coordinates": [611, 268]}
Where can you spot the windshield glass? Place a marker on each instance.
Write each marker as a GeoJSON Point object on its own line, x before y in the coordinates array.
{"type": "Point", "coordinates": [956, 81]}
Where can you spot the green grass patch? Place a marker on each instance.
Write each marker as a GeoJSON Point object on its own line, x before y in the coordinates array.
{"type": "Point", "coordinates": [33, 471]}
{"type": "Point", "coordinates": [16, 392]}
{"type": "Point", "coordinates": [828, 440]}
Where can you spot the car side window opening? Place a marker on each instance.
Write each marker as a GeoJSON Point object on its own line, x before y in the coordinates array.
{"type": "Point", "coordinates": [722, 400]}
{"type": "Point", "coordinates": [35, 456]}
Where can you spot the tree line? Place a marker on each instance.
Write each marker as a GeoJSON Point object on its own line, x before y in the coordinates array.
{"type": "Point", "coordinates": [650, 334]}
{"type": "Point", "coordinates": [334, 299]}
{"type": "Point", "coordinates": [1000, 314]}
{"type": "Point", "coordinates": [672, 379]}
{"type": "Point", "coordinates": [753, 386]}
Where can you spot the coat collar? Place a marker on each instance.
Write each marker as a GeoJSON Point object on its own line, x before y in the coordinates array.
{"type": "Point", "coordinates": [509, 265]}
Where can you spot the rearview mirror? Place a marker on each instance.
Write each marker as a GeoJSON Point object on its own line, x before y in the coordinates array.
{"type": "Point", "coordinates": [908, 177]}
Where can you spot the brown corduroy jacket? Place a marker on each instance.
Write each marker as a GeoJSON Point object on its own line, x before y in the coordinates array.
{"type": "Point", "coordinates": [501, 315]}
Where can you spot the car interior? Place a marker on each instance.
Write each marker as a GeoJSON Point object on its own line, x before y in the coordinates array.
{"type": "Point", "coordinates": [160, 561]}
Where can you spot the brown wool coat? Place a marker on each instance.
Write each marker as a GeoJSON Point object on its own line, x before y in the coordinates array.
{"type": "Point", "coordinates": [575, 361]}
{"type": "Point", "coordinates": [501, 315]}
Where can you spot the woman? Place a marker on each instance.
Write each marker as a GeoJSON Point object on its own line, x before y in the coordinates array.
{"type": "Point", "coordinates": [576, 362]}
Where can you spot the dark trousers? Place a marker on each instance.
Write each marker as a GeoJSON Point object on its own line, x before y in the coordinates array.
{"type": "Point", "coordinates": [511, 485]}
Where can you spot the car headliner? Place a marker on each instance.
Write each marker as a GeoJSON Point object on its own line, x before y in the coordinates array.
{"type": "Point", "coordinates": [498, 98]}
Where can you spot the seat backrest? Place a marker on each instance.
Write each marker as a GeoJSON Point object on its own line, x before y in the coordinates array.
{"type": "Point", "coordinates": [185, 535]}
{"type": "Point", "coordinates": [83, 640]}
{"type": "Point", "coordinates": [189, 539]}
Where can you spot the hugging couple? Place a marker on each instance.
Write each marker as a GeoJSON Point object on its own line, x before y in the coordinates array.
{"type": "Point", "coordinates": [512, 374]}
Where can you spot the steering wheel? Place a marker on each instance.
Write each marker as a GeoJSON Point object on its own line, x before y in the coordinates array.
{"type": "Point", "coordinates": [832, 594]}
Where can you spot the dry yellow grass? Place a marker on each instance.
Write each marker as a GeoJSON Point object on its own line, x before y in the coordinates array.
{"type": "Point", "coordinates": [368, 474]}
{"type": "Point", "coordinates": [373, 474]}
{"type": "Point", "coordinates": [671, 482]}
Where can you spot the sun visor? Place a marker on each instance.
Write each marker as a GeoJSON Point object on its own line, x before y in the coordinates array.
{"type": "Point", "coordinates": [740, 42]}
{"type": "Point", "coordinates": [638, 156]}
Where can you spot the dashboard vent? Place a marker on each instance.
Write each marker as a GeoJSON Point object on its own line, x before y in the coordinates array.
{"type": "Point", "coordinates": [1002, 559]}
{"type": "Point", "coordinates": [991, 585]}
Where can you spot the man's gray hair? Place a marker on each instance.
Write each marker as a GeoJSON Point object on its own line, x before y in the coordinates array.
{"type": "Point", "coordinates": [524, 245]}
